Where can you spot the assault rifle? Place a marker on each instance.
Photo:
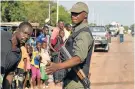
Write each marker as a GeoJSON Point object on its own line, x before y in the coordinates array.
{"type": "Point", "coordinates": [85, 81]}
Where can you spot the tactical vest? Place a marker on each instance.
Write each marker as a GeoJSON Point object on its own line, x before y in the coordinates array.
{"type": "Point", "coordinates": [69, 46]}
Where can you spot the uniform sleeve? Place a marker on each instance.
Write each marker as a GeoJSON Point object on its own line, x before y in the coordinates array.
{"type": "Point", "coordinates": [81, 45]}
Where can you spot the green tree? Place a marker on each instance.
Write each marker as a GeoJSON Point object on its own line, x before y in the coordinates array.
{"type": "Point", "coordinates": [107, 26]}
{"type": "Point", "coordinates": [4, 10]}
{"type": "Point", "coordinates": [64, 15]}
{"type": "Point", "coordinates": [92, 24]}
{"type": "Point", "coordinates": [126, 29]}
{"type": "Point", "coordinates": [12, 11]}
{"type": "Point", "coordinates": [32, 11]}
{"type": "Point", "coordinates": [36, 11]}
{"type": "Point", "coordinates": [132, 26]}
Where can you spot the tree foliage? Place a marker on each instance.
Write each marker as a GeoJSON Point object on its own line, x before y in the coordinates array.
{"type": "Point", "coordinates": [132, 27]}
{"type": "Point", "coordinates": [33, 11]}
{"type": "Point", "coordinates": [12, 11]}
{"type": "Point", "coordinates": [64, 17]}
{"type": "Point", "coordinates": [92, 24]}
{"type": "Point", "coordinates": [126, 28]}
{"type": "Point", "coordinates": [107, 26]}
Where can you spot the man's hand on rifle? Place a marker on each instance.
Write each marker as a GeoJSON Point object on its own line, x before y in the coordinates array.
{"type": "Point", "coordinates": [52, 67]}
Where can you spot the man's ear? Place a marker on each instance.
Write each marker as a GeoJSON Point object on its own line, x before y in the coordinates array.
{"type": "Point", "coordinates": [85, 15]}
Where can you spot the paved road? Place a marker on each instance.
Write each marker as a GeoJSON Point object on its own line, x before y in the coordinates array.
{"type": "Point", "coordinates": [113, 70]}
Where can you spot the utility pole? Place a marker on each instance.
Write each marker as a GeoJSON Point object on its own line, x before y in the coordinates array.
{"type": "Point", "coordinates": [49, 11]}
{"type": "Point", "coordinates": [93, 16]}
{"type": "Point", "coordinates": [57, 12]}
{"type": "Point", "coordinates": [97, 19]}
{"type": "Point", "coordinates": [102, 22]}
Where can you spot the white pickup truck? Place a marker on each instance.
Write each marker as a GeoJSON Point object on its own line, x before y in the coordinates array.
{"type": "Point", "coordinates": [114, 28]}
{"type": "Point", "coordinates": [100, 35]}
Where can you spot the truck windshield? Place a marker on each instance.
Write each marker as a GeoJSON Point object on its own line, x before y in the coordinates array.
{"type": "Point", "coordinates": [97, 29]}
{"type": "Point", "coordinates": [113, 26]}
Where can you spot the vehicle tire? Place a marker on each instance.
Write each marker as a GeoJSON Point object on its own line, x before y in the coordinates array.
{"type": "Point", "coordinates": [94, 49]}
{"type": "Point", "coordinates": [107, 49]}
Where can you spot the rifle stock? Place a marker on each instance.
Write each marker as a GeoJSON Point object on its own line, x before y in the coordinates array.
{"type": "Point", "coordinates": [66, 55]}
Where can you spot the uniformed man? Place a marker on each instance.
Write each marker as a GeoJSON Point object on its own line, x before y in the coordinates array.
{"type": "Point", "coordinates": [10, 51]}
{"type": "Point", "coordinates": [79, 45]}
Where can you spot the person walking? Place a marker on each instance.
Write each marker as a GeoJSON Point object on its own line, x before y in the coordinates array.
{"type": "Point", "coordinates": [121, 33]}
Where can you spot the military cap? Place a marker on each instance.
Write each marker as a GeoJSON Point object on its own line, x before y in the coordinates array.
{"type": "Point", "coordinates": [79, 7]}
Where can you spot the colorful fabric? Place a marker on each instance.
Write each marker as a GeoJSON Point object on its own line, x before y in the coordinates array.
{"type": "Point", "coordinates": [45, 57]}
{"type": "Point", "coordinates": [28, 63]}
{"type": "Point", "coordinates": [48, 41]}
{"type": "Point", "coordinates": [55, 33]}
{"type": "Point", "coordinates": [31, 42]}
{"type": "Point", "coordinates": [24, 56]}
{"type": "Point", "coordinates": [41, 38]}
{"type": "Point", "coordinates": [35, 58]}
{"type": "Point", "coordinates": [57, 43]}
{"type": "Point", "coordinates": [35, 72]}
{"type": "Point", "coordinates": [44, 76]}
{"type": "Point", "coordinates": [67, 34]}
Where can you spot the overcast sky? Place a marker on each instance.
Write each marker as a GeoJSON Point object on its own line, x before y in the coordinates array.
{"type": "Point", "coordinates": [104, 12]}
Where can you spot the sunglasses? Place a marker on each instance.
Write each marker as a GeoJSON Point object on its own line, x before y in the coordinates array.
{"type": "Point", "coordinates": [75, 14]}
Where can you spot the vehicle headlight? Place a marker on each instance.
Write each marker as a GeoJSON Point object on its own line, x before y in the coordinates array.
{"type": "Point", "coordinates": [94, 37]}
